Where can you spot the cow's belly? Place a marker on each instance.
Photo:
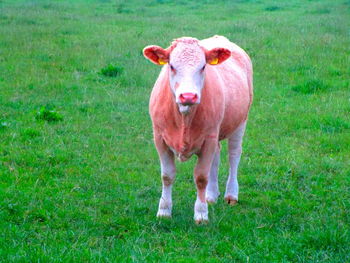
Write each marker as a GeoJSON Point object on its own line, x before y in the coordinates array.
{"type": "Point", "coordinates": [227, 128]}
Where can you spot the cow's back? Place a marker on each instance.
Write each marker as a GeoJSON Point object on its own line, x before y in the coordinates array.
{"type": "Point", "coordinates": [234, 76]}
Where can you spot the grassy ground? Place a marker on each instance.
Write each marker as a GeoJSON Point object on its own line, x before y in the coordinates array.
{"type": "Point", "coordinates": [79, 176]}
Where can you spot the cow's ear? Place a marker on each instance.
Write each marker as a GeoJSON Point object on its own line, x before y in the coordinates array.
{"type": "Point", "coordinates": [216, 56]}
{"type": "Point", "coordinates": [156, 54]}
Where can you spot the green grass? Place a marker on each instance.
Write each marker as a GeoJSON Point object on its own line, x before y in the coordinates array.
{"type": "Point", "coordinates": [82, 184]}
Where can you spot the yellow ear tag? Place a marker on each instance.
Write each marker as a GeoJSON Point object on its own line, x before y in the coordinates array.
{"type": "Point", "coordinates": [161, 61]}
{"type": "Point", "coordinates": [214, 61]}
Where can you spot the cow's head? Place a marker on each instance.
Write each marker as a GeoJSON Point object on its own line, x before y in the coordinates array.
{"type": "Point", "coordinates": [186, 61]}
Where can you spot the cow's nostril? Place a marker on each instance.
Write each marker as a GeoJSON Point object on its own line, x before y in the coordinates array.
{"type": "Point", "coordinates": [188, 98]}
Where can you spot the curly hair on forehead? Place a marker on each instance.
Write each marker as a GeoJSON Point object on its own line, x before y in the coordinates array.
{"type": "Point", "coordinates": [185, 40]}
{"type": "Point", "coordinates": [187, 51]}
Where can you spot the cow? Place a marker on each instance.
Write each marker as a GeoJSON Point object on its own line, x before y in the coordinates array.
{"type": "Point", "coordinates": [202, 96]}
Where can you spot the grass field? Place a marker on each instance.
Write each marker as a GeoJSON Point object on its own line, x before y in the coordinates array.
{"type": "Point", "coordinates": [79, 175]}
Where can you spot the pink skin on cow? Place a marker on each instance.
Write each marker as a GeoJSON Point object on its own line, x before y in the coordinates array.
{"type": "Point", "coordinates": [202, 95]}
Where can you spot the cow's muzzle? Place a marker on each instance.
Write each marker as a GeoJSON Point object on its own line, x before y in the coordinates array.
{"type": "Point", "coordinates": [188, 99]}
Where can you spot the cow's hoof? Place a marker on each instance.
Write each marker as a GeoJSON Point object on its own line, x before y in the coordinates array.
{"type": "Point", "coordinates": [202, 222]}
{"type": "Point", "coordinates": [164, 213]}
{"type": "Point", "coordinates": [201, 218]}
{"type": "Point", "coordinates": [211, 198]}
{"type": "Point", "coordinates": [231, 200]}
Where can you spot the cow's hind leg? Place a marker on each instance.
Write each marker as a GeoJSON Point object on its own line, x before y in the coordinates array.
{"type": "Point", "coordinates": [234, 150]}
{"type": "Point", "coordinates": [212, 191]}
{"type": "Point", "coordinates": [168, 169]}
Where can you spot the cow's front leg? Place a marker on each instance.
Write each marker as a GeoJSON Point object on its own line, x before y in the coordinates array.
{"type": "Point", "coordinates": [201, 173]}
{"type": "Point", "coordinates": [168, 169]}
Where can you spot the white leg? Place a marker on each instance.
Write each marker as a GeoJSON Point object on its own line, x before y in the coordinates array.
{"type": "Point", "coordinates": [200, 211]}
{"type": "Point", "coordinates": [168, 176]}
{"type": "Point", "coordinates": [167, 165]}
{"type": "Point", "coordinates": [235, 150]}
{"type": "Point", "coordinates": [201, 174]}
{"type": "Point", "coordinates": [212, 191]}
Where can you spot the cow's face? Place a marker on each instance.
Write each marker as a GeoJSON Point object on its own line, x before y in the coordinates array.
{"type": "Point", "coordinates": [186, 61]}
{"type": "Point", "coordinates": [186, 74]}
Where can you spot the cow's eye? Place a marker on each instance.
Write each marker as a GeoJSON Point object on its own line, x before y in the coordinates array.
{"type": "Point", "coordinates": [173, 70]}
